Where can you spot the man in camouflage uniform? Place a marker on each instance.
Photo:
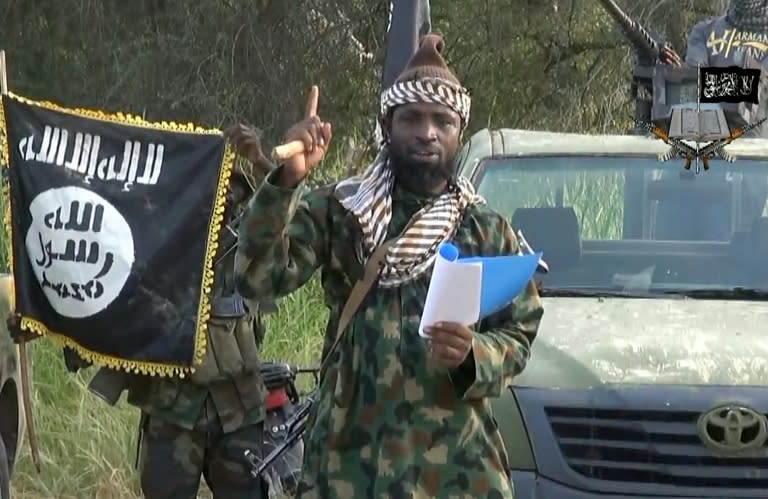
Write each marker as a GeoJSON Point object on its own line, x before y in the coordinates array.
{"type": "Point", "coordinates": [203, 424]}
{"type": "Point", "coordinates": [397, 415]}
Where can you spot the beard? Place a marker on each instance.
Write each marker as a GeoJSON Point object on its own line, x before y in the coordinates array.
{"type": "Point", "coordinates": [418, 177]}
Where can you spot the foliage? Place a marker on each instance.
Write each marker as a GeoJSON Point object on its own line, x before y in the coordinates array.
{"type": "Point", "coordinates": [557, 65]}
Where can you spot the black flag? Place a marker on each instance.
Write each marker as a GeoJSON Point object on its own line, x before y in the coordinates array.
{"type": "Point", "coordinates": [114, 224]}
{"type": "Point", "coordinates": [730, 84]}
{"type": "Point", "coordinates": [408, 20]}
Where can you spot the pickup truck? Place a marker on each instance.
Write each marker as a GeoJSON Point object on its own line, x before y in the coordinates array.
{"type": "Point", "coordinates": [649, 375]}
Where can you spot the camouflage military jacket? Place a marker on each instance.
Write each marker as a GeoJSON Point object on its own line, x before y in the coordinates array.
{"type": "Point", "coordinates": [390, 422]}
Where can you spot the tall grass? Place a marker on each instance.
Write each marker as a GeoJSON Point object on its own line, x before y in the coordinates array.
{"type": "Point", "coordinates": [596, 197]}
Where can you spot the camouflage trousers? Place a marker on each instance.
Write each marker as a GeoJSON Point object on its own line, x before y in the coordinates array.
{"type": "Point", "coordinates": [172, 459]}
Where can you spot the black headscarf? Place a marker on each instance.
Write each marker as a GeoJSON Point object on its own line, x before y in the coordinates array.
{"type": "Point", "coordinates": [749, 15]}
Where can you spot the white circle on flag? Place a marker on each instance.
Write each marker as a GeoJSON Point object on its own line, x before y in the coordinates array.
{"type": "Point", "coordinates": [81, 249]}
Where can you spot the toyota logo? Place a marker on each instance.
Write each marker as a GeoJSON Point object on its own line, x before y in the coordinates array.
{"type": "Point", "coordinates": [733, 429]}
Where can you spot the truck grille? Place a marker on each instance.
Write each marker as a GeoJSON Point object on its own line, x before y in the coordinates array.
{"type": "Point", "coordinates": [648, 447]}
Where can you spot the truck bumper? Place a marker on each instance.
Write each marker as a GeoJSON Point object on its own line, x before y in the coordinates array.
{"type": "Point", "coordinates": [529, 485]}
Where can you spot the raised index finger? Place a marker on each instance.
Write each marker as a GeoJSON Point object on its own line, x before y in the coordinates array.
{"type": "Point", "coordinates": [314, 95]}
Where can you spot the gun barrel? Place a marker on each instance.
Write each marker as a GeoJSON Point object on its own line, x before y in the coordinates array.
{"type": "Point", "coordinates": [637, 35]}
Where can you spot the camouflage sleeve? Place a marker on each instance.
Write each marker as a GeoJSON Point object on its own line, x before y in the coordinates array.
{"type": "Point", "coordinates": [282, 237]}
{"type": "Point", "coordinates": [502, 343]}
{"type": "Point", "coordinates": [696, 52]}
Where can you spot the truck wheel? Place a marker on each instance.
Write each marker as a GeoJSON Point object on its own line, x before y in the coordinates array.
{"type": "Point", "coordinates": [5, 478]}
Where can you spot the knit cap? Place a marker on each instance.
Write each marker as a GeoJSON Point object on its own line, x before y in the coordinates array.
{"type": "Point", "coordinates": [427, 78]}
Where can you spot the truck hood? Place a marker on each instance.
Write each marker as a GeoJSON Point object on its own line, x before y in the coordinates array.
{"type": "Point", "coordinates": [584, 342]}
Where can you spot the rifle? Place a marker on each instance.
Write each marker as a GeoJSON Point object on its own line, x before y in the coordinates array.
{"type": "Point", "coordinates": [717, 147]}
{"type": "Point", "coordinates": [282, 476]}
{"type": "Point", "coordinates": [296, 426]}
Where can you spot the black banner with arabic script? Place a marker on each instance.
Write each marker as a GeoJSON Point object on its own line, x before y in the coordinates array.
{"type": "Point", "coordinates": [114, 225]}
{"type": "Point", "coordinates": [730, 85]}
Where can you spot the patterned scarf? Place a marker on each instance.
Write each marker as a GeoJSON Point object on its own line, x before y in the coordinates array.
{"type": "Point", "coordinates": [369, 196]}
{"type": "Point", "coordinates": [748, 15]}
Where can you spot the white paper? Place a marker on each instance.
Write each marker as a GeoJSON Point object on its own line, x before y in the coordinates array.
{"type": "Point", "coordinates": [453, 294]}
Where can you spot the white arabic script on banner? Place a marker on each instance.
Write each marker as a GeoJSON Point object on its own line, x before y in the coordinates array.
{"type": "Point", "coordinates": [81, 249]}
{"type": "Point", "coordinates": [80, 152]}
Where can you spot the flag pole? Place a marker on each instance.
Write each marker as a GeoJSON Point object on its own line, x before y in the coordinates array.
{"type": "Point", "coordinates": [23, 356]}
{"type": "Point", "coordinates": [698, 109]}
{"type": "Point", "coordinates": [3, 74]}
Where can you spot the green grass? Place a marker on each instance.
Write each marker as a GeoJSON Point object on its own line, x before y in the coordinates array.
{"type": "Point", "coordinates": [88, 448]}
{"type": "Point", "coordinates": [597, 198]}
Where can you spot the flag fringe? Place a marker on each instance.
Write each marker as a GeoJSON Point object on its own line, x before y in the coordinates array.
{"type": "Point", "coordinates": [214, 231]}
{"type": "Point", "coordinates": [117, 117]}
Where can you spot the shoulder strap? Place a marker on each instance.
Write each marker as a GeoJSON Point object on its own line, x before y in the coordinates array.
{"type": "Point", "coordinates": [356, 296]}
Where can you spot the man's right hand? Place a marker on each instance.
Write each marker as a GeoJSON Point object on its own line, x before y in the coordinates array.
{"type": "Point", "coordinates": [316, 136]}
{"type": "Point", "coordinates": [13, 322]}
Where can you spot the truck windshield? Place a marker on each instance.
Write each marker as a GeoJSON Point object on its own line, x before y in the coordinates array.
{"type": "Point", "coordinates": [636, 225]}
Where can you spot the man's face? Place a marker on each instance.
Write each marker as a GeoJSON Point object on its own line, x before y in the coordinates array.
{"type": "Point", "coordinates": [423, 142]}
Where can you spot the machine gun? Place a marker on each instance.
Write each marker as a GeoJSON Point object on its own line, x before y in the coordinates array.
{"type": "Point", "coordinates": [648, 48]}
{"type": "Point", "coordinates": [651, 74]}
{"type": "Point", "coordinates": [660, 89]}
